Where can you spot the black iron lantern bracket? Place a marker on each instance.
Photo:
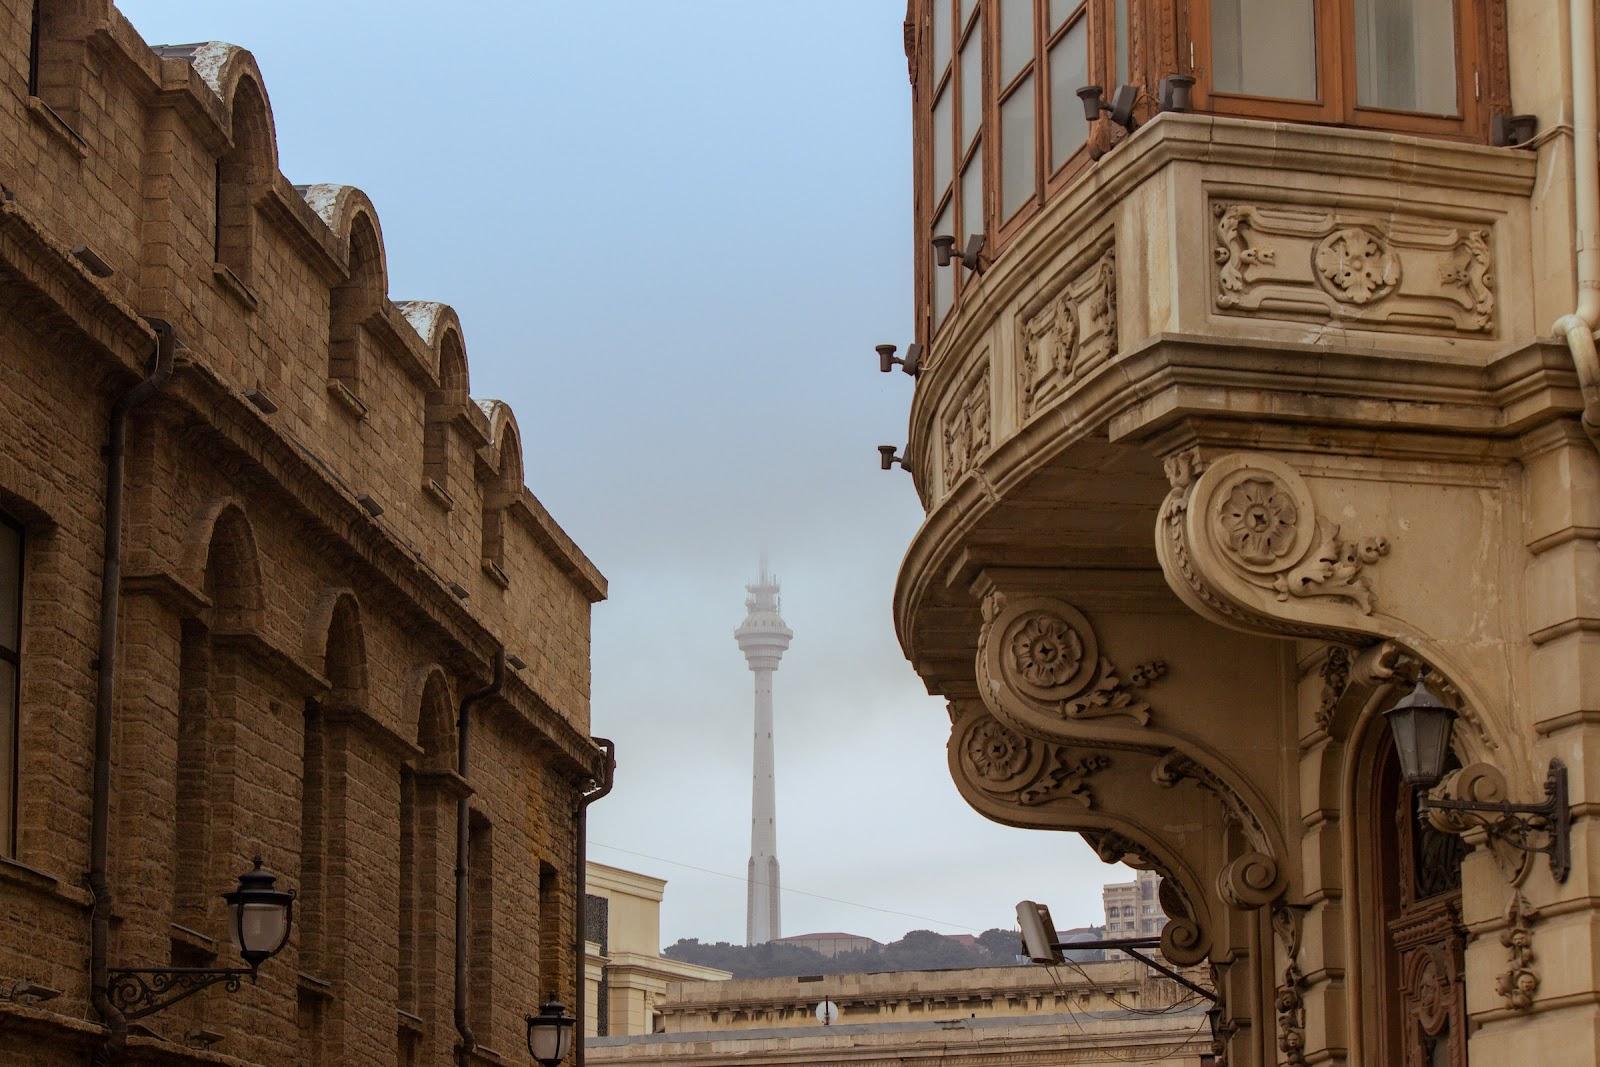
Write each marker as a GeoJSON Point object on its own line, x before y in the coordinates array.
{"type": "Point", "coordinates": [141, 991]}
{"type": "Point", "coordinates": [1544, 827]}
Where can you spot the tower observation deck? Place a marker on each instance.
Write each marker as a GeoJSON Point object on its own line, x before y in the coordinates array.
{"type": "Point", "coordinates": [763, 638]}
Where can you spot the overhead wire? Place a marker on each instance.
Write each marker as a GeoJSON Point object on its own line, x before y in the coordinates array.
{"type": "Point", "coordinates": [789, 889]}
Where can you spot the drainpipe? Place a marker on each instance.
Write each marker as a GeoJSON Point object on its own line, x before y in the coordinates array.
{"type": "Point", "coordinates": [110, 597]}
{"type": "Point", "coordinates": [468, 1043]}
{"type": "Point", "coordinates": [1578, 327]}
{"type": "Point", "coordinates": [608, 777]}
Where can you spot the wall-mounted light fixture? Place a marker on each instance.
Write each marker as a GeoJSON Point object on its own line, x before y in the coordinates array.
{"type": "Point", "coordinates": [1176, 92]}
{"type": "Point", "coordinates": [515, 662]}
{"type": "Point", "coordinates": [944, 251]}
{"type": "Point", "coordinates": [550, 1033]}
{"type": "Point", "coordinates": [1421, 724]}
{"type": "Point", "coordinates": [1120, 108]}
{"type": "Point", "coordinates": [92, 261]}
{"type": "Point", "coordinates": [260, 916]}
{"type": "Point", "coordinates": [1511, 131]}
{"type": "Point", "coordinates": [888, 457]}
{"type": "Point", "coordinates": [912, 364]}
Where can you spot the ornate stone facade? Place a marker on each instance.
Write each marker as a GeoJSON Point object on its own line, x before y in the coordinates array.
{"type": "Point", "coordinates": [325, 546]}
{"type": "Point", "coordinates": [1327, 451]}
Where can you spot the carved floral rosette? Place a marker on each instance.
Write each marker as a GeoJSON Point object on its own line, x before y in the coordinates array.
{"type": "Point", "coordinates": [1241, 542]}
{"type": "Point", "coordinates": [1015, 768]}
{"type": "Point", "coordinates": [1040, 664]}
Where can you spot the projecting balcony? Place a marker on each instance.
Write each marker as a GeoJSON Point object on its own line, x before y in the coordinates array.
{"type": "Point", "coordinates": [1213, 271]}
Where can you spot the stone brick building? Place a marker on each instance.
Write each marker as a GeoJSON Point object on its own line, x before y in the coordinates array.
{"type": "Point", "coordinates": [326, 546]}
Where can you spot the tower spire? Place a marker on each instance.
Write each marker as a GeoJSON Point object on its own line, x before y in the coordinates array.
{"type": "Point", "coordinates": [763, 638]}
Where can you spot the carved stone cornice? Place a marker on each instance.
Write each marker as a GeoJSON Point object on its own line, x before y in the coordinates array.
{"type": "Point", "coordinates": [1242, 543]}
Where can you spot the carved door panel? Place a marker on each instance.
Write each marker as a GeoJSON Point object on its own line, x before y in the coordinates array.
{"type": "Point", "coordinates": [1427, 941]}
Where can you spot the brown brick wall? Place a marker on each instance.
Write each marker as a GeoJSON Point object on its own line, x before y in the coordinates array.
{"type": "Point", "coordinates": [259, 595]}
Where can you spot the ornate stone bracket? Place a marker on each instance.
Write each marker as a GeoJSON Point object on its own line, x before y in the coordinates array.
{"type": "Point", "coordinates": [1043, 655]}
{"type": "Point", "coordinates": [1520, 982]}
{"type": "Point", "coordinates": [1290, 1001]}
{"type": "Point", "coordinates": [1009, 766]}
{"type": "Point", "coordinates": [1252, 879]}
{"type": "Point", "coordinates": [1241, 542]}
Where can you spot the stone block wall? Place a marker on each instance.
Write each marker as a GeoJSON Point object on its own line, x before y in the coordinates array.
{"type": "Point", "coordinates": [326, 542]}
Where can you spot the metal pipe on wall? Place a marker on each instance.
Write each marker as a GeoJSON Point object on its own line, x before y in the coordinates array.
{"type": "Point", "coordinates": [467, 1042]}
{"type": "Point", "coordinates": [106, 689]}
{"type": "Point", "coordinates": [581, 880]}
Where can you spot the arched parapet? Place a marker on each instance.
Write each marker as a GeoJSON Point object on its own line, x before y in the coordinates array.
{"type": "Point", "coordinates": [335, 643]}
{"type": "Point", "coordinates": [360, 297]}
{"type": "Point", "coordinates": [500, 471]}
{"type": "Point", "coordinates": [221, 561]}
{"type": "Point", "coordinates": [439, 327]}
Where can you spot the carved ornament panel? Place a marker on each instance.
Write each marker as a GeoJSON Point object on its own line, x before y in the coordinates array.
{"type": "Point", "coordinates": [1066, 334]}
{"type": "Point", "coordinates": [966, 427]}
{"type": "Point", "coordinates": [1394, 272]}
{"type": "Point", "coordinates": [1012, 767]}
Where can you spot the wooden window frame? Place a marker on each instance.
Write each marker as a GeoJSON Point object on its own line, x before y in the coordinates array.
{"type": "Point", "coordinates": [12, 745]}
{"type": "Point", "coordinates": [1092, 14]}
{"type": "Point", "coordinates": [1336, 77]}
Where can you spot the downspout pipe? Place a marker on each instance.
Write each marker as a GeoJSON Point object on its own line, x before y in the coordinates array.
{"type": "Point", "coordinates": [1578, 327]}
{"type": "Point", "coordinates": [106, 689]}
{"type": "Point", "coordinates": [608, 777]}
{"type": "Point", "coordinates": [467, 1043]}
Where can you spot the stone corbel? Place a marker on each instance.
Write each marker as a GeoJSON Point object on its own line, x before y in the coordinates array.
{"type": "Point", "coordinates": [991, 757]}
{"type": "Point", "coordinates": [1040, 666]}
{"type": "Point", "coordinates": [1241, 542]}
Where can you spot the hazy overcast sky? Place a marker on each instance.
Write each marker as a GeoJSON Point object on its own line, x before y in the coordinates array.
{"type": "Point", "coordinates": [674, 230]}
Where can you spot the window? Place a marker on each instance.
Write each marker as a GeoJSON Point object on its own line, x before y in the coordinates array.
{"type": "Point", "coordinates": [1410, 65]}
{"type": "Point", "coordinates": [480, 916]}
{"type": "Point", "coordinates": [33, 47]}
{"type": "Point", "coordinates": [10, 670]}
{"type": "Point", "coordinates": [243, 172]}
{"type": "Point", "coordinates": [959, 184]}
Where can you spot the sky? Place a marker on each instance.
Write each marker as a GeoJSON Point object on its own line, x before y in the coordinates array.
{"type": "Point", "coordinates": [674, 230]}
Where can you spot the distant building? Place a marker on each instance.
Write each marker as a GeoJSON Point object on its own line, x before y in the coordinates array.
{"type": "Point", "coordinates": [832, 943]}
{"type": "Point", "coordinates": [1133, 909]}
{"type": "Point", "coordinates": [1109, 1012]}
{"type": "Point", "coordinates": [624, 972]}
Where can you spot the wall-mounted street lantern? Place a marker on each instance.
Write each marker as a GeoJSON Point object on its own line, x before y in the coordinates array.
{"type": "Point", "coordinates": [260, 916]}
{"type": "Point", "coordinates": [550, 1033]}
{"type": "Point", "coordinates": [1421, 724]}
{"type": "Point", "coordinates": [887, 360]}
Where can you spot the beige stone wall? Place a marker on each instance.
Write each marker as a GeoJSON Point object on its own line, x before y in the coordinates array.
{"type": "Point", "coordinates": [258, 584]}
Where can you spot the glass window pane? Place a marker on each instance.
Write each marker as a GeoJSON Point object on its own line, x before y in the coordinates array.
{"type": "Point", "coordinates": [966, 11]}
{"type": "Point", "coordinates": [1406, 55]}
{"type": "Point", "coordinates": [1017, 177]}
{"type": "Point", "coordinates": [8, 759]}
{"type": "Point", "coordinates": [1265, 48]}
{"type": "Point", "coordinates": [941, 37]}
{"type": "Point", "coordinates": [943, 160]}
{"type": "Point", "coordinates": [1059, 10]}
{"type": "Point", "coordinates": [944, 278]}
{"type": "Point", "coordinates": [972, 220]}
{"type": "Point", "coordinates": [1016, 37]}
{"type": "Point", "coordinates": [10, 584]}
{"type": "Point", "coordinates": [1121, 31]}
{"type": "Point", "coordinates": [1069, 72]}
{"type": "Point", "coordinates": [971, 89]}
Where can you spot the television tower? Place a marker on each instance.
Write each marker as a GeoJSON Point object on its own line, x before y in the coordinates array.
{"type": "Point", "coordinates": [763, 638]}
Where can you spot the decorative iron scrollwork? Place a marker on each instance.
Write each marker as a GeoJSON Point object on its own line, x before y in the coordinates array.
{"type": "Point", "coordinates": [138, 992]}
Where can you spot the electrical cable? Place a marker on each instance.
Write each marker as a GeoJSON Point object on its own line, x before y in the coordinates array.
{"type": "Point", "coordinates": [788, 889]}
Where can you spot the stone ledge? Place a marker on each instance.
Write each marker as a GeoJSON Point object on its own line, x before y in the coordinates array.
{"type": "Point", "coordinates": [58, 127]}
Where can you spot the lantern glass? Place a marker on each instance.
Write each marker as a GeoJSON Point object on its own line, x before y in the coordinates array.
{"type": "Point", "coordinates": [1421, 725]}
{"type": "Point", "coordinates": [261, 916]}
{"type": "Point", "coordinates": [550, 1034]}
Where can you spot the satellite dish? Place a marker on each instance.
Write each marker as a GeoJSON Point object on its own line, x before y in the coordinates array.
{"type": "Point", "coordinates": [827, 1013]}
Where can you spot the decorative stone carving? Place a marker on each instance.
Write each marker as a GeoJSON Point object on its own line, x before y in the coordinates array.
{"type": "Point", "coordinates": [1250, 881]}
{"type": "Point", "coordinates": [1399, 272]}
{"type": "Point", "coordinates": [1520, 982]}
{"type": "Point", "coordinates": [1067, 333]}
{"type": "Point", "coordinates": [1176, 767]}
{"type": "Point", "coordinates": [1045, 653]}
{"type": "Point", "coordinates": [1357, 266]}
{"type": "Point", "coordinates": [1248, 521]}
{"type": "Point", "coordinates": [1290, 1001]}
{"type": "Point", "coordinates": [965, 427]}
{"type": "Point", "coordinates": [1010, 766]}
{"type": "Point", "coordinates": [1335, 680]}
